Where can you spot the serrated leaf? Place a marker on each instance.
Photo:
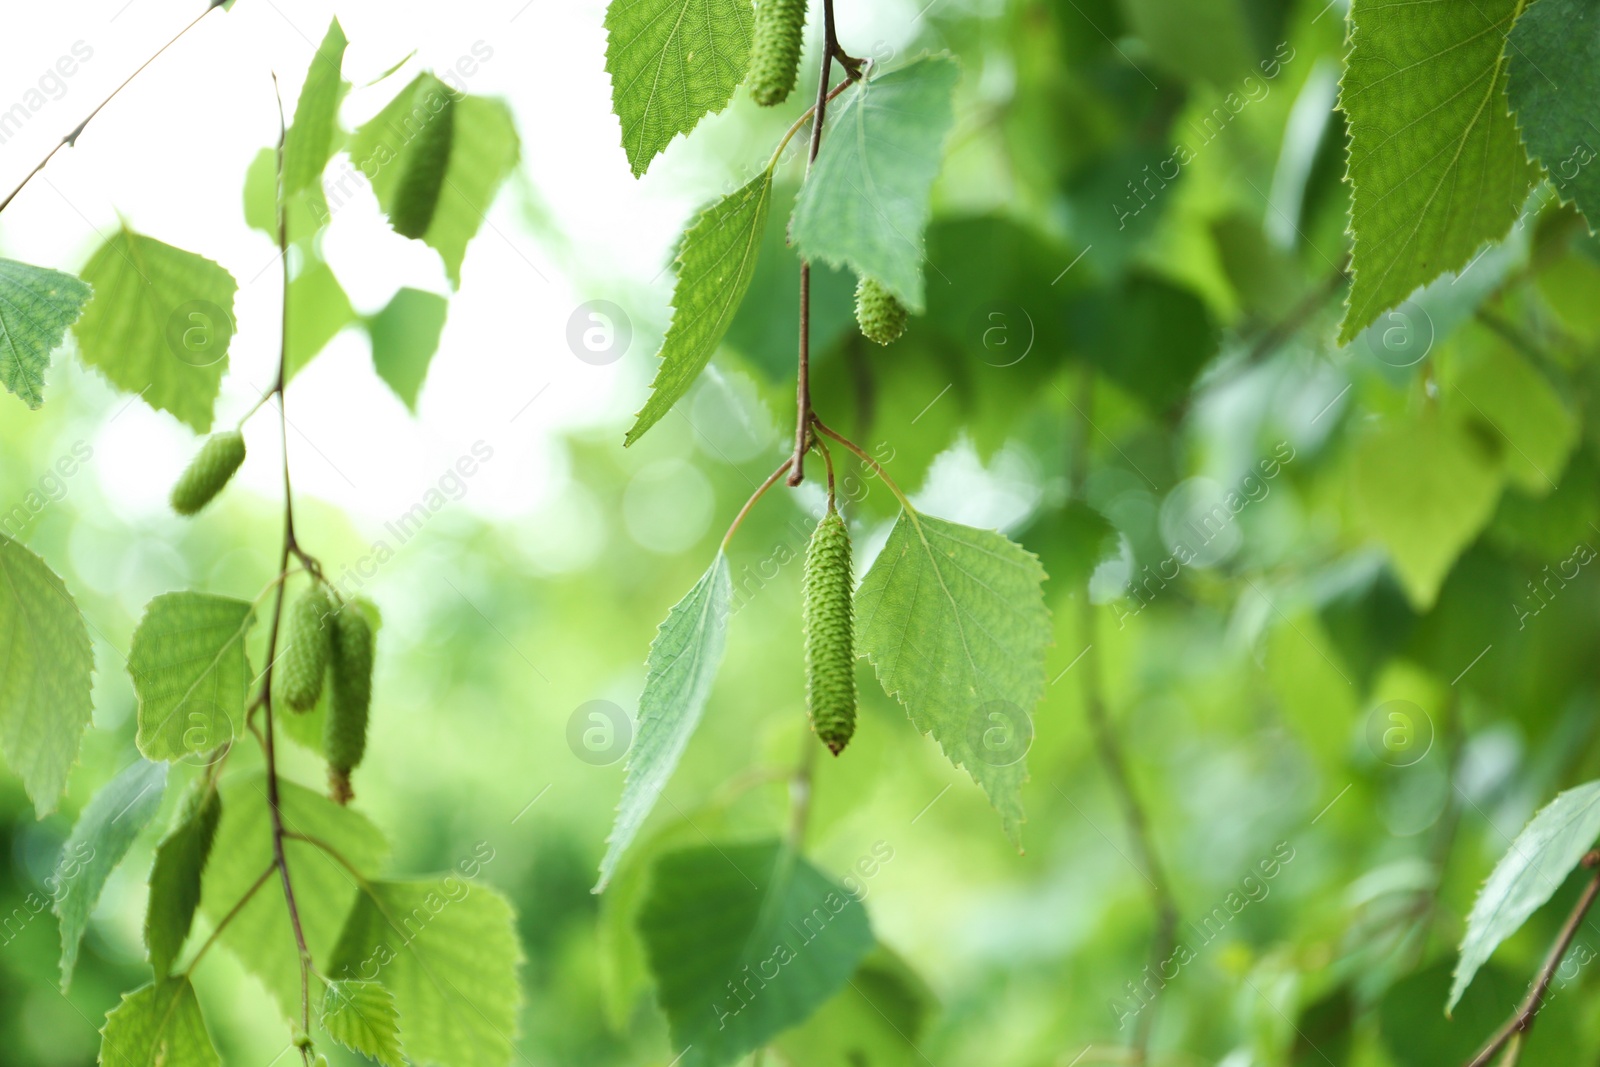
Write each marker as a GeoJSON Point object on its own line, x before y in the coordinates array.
{"type": "Point", "coordinates": [158, 1025]}
{"type": "Point", "coordinates": [953, 619]}
{"type": "Point", "coordinates": [865, 202]}
{"type": "Point", "coordinates": [1538, 861]}
{"type": "Point", "coordinates": [744, 942]}
{"type": "Point", "coordinates": [1424, 489]}
{"type": "Point", "coordinates": [484, 149]}
{"type": "Point", "coordinates": [1436, 163]}
{"type": "Point", "coordinates": [448, 951]}
{"type": "Point", "coordinates": [191, 673]}
{"type": "Point", "coordinates": [682, 664]}
{"type": "Point", "coordinates": [159, 325]}
{"type": "Point", "coordinates": [309, 142]}
{"type": "Point", "coordinates": [36, 308]}
{"type": "Point", "coordinates": [1554, 56]}
{"type": "Point", "coordinates": [363, 1018]}
{"type": "Point", "coordinates": [175, 875]}
{"type": "Point", "coordinates": [104, 832]}
{"type": "Point", "coordinates": [46, 673]}
{"type": "Point", "coordinates": [260, 934]}
{"type": "Point", "coordinates": [672, 62]}
{"type": "Point", "coordinates": [405, 335]}
{"type": "Point", "coordinates": [715, 266]}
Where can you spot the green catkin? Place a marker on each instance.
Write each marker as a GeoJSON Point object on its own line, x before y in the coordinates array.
{"type": "Point", "coordinates": [344, 737]}
{"type": "Point", "coordinates": [211, 469]}
{"type": "Point", "coordinates": [417, 195]}
{"type": "Point", "coordinates": [775, 52]}
{"type": "Point", "coordinates": [880, 315]}
{"type": "Point", "coordinates": [306, 649]}
{"type": "Point", "coordinates": [829, 618]}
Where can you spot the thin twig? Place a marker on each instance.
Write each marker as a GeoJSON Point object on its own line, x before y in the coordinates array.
{"type": "Point", "coordinates": [290, 548]}
{"type": "Point", "coordinates": [800, 122]}
{"type": "Point", "coordinates": [77, 131]}
{"type": "Point", "coordinates": [233, 912]}
{"type": "Point", "coordinates": [876, 467]}
{"type": "Point", "coordinates": [1109, 748]}
{"type": "Point", "coordinates": [802, 421]}
{"type": "Point", "coordinates": [1522, 1021]}
{"type": "Point", "coordinates": [757, 495]}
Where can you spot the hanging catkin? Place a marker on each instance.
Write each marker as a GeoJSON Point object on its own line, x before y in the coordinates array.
{"type": "Point", "coordinates": [880, 315]}
{"type": "Point", "coordinates": [208, 472]}
{"type": "Point", "coordinates": [775, 51]}
{"type": "Point", "coordinates": [306, 651]}
{"type": "Point", "coordinates": [830, 633]}
{"type": "Point", "coordinates": [344, 737]}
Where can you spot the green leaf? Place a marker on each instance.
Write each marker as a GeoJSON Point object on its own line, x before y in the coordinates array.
{"type": "Point", "coordinates": [1436, 163]}
{"type": "Point", "coordinates": [46, 673]}
{"type": "Point", "coordinates": [715, 266]}
{"type": "Point", "coordinates": [448, 951]}
{"type": "Point", "coordinates": [260, 934]}
{"type": "Point", "coordinates": [865, 203]}
{"type": "Point", "coordinates": [1424, 488]}
{"type": "Point", "coordinates": [405, 335]}
{"type": "Point", "coordinates": [101, 837]}
{"type": "Point", "coordinates": [744, 942]}
{"type": "Point", "coordinates": [682, 664]}
{"type": "Point", "coordinates": [484, 149]}
{"type": "Point", "coordinates": [1209, 41]}
{"type": "Point", "coordinates": [307, 211]}
{"type": "Point", "coordinates": [309, 142]}
{"type": "Point", "coordinates": [1539, 860]}
{"type": "Point", "coordinates": [159, 325]}
{"type": "Point", "coordinates": [1509, 403]}
{"type": "Point", "coordinates": [1554, 56]}
{"type": "Point", "coordinates": [671, 63]}
{"type": "Point", "coordinates": [363, 1018]}
{"type": "Point", "coordinates": [36, 307]}
{"type": "Point", "coordinates": [190, 671]}
{"type": "Point", "coordinates": [318, 310]}
{"type": "Point", "coordinates": [158, 1025]}
{"type": "Point", "coordinates": [1148, 335]}
{"type": "Point", "coordinates": [875, 1021]}
{"type": "Point", "coordinates": [953, 618]}
{"type": "Point", "coordinates": [175, 875]}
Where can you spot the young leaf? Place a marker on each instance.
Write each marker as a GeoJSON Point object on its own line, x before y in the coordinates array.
{"type": "Point", "coordinates": [260, 934]}
{"type": "Point", "coordinates": [101, 837]}
{"type": "Point", "coordinates": [744, 942]}
{"type": "Point", "coordinates": [1424, 488]}
{"type": "Point", "coordinates": [671, 63]}
{"type": "Point", "coordinates": [190, 671]}
{"type": "Point", "coordinates": [484, 150]}
{"type": "Point", "coordinates": [715, 266]}
{"type": "Point", "coordinates": [953, 618]}
{"type": "Point", "coordinates": [175, 875]}
{"type": "Point", "coordinates": [159, 324]}
{"type": "Point", "coordinates": [49, 669]}
{"type": "Point", "coordinates": [1554, 56]}
{"type": "Point", "coordinates": [1436, 163]}
{"type": "Point", "coordinates": [309, 142]}
{"type": "Point", "coordinates": [865, 203]}
{"type": "Point", "coordinates": [158, 1024]}
{"type": "Point", "coordinates": [448, 951]}
{"type": "Point", "coordinates": [405, 335]}
{"type": "Point", "coordinates": [318, 310]}
{"type": "Point", "coordinates": [1539, 860]}
{"type": "Point", "coordinates": [363, 1018]}
{"type": "Point", "coordinates": [36, 307]}
{"type": "Point", "coordinates": [682, 664]}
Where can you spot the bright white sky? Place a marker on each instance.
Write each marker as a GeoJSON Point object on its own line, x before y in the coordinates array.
{"type": "Point", "coordinates": [169, 154]}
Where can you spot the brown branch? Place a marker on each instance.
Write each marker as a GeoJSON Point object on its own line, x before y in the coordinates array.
{"type": "Point", "coordinates": [77, 131]}
{"type": "Point", "coordinates": [1109, 748]}
{"type": "Point", "coordinates": [1522, 1021]}
{"type": "Point", "coordinates": [802, 421]}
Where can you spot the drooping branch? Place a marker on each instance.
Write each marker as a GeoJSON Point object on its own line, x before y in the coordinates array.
{"type": "Point", "coordinates": [77, 131]}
